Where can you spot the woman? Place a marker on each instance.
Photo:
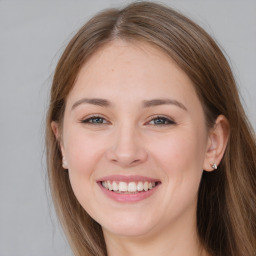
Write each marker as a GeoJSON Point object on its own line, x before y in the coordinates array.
{"type": "Point", "coordinates": [149, 149]}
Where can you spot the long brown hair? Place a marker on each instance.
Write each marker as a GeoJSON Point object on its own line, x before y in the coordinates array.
{"type": "Point", "coordinates": [226, 213]}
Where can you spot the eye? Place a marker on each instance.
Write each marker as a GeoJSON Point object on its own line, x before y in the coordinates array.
{"type": "Point", "coordinates": [161, 120]}
{"type": "Point", "coordinates": [94, 120]}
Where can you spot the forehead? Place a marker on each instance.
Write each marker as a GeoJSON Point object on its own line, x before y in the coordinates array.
{"type": "Point", "coordinates": [137, 69]}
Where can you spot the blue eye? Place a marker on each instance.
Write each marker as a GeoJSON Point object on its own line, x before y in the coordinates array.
{"type": "Point", "coordinates": [94, 120]}
{"type": "Point", "coordinates": [161, 121]}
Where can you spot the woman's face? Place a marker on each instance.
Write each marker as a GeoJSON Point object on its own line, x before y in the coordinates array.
{"type": "Point", "coordinates": [135, 140]}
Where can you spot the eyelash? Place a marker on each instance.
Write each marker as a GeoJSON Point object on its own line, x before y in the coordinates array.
{"type": "Point", "coordinates": [90, 120]}
{"type": "Point", "coordinates": [167, 121]}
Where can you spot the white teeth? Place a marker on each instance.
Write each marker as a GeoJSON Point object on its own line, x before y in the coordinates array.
{"type": "Point", "coordinates": [109, 185]}
{"type": "Point", "coordinates": [122, 186]}
{"type": "Point", "coordinates": [132, 187]}
{"type": "Point", "coordinates": [146, 186]}
{"type": "Point", "coordinates": [140, 186]}
{"type": "Point", "coordinates": [128, 187]}
{"type": "Point", "coordinates": [115, 186]}
{"type": "Point", "coordinates": [104, 184]}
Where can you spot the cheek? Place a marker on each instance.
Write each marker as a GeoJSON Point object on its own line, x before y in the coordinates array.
{"type": "Point", "coordinates": [83, 151]}
{"type": "Point", "coordinates": [181, 159]}
{"type": "Point", "coordinates": [83, 155]}
{"type": "Point", "coordinates": [180, 152]}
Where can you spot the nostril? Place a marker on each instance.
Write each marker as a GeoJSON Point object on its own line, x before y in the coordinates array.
{"type": "Point", "coordinates": [135, 161]}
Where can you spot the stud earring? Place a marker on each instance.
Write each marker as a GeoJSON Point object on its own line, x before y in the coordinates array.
{"type": "Point", "coordinates": [64, 163]}
{"type": "Point", "coordinates": [214, 166]}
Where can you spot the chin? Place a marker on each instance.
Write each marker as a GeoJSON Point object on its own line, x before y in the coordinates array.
{"type": "Point", "coordinates": [132, 227]}
{"type": "Point", "coordinates": [128, 231]}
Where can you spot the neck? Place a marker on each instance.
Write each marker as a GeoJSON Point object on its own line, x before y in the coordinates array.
{"type": "Point", "coordinates": [177, 239]}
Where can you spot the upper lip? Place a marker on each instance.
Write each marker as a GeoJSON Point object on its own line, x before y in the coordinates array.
{"type": "Point", "coordinates": [127, 178]}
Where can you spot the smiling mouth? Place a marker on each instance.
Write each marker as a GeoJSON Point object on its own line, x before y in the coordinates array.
{"type": "Point", "coordinates": [122, 187]}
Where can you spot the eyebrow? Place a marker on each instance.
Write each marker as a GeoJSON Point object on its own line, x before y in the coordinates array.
{"type": "Point", "coordinates": [158, 102]}
{"type": "Point", "coordinates": [93, 101]}
{"type": "Point", "coordinates": [146, 103]}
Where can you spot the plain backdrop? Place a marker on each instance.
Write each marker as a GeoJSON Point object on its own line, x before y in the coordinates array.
{"type": "Point", "coordinates": [33, 35]}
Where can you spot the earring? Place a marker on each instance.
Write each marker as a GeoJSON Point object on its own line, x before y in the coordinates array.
{"type": "Point", "coordinates": [64, 163]}
{"type": "Point", "coordinates": [214, 166]}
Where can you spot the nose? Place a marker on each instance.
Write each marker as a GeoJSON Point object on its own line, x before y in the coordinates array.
{"type": "Point", "coordinates": [127, 148]}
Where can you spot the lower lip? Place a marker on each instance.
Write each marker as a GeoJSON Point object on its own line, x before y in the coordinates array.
{"type": "Point", "coordinates": [128, 198]}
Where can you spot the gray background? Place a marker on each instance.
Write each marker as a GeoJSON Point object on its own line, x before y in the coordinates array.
{"type": "Point", "coordinates": [32, 37]}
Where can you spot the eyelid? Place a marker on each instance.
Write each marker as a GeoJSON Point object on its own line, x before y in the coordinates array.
{"type": "Point", "coordinates": [85, 120]}
{"type": "Point", "coordinates": [169, 119]}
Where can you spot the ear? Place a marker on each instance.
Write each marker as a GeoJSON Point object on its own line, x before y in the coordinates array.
{"type": "Point", "coordinates": [56, 130]}
{"type": "Point", "coordinates": [217, 142]}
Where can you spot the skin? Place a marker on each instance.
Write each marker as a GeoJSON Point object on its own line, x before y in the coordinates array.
{"type": "Point", "coordinates": [127, 139]}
